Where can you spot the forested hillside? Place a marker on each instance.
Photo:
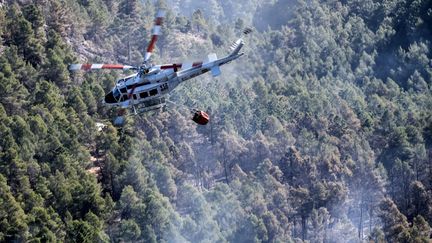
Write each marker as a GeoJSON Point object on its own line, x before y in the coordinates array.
{"type": "Point", "coordinates": [321, 132]}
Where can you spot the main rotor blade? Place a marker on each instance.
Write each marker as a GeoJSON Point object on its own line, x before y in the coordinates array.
{"type": "Point", "coordinates": [155, 33]}
{"type": "Point", "coordinates": [88, 66]}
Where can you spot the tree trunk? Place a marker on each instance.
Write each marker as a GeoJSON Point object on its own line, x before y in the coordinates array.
{"type": "Point", "coordinates": [325, 232]}
{"type": "Point", "coordinates": [360, 227]}
{"type": "Point", "coordinates": [430, 168]}
{"type": "Point", "coordinates": [226, 171]}
{"type": "Point", "coordinates": [406, 193]}
{"type": "Point", "coordinates": [370, 219]}
{"type": "Point", "coordinates": [304, 228]}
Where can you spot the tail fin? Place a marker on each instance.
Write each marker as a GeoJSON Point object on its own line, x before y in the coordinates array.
{"type": "Point", "coordinates": [215, 70]}
{"type": "Point", "coordinates": [236, 47]}
{"type": "Point", "coordinates": [238, 44]}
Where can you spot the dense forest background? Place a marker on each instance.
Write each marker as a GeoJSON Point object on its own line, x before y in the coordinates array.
{"type": "Point", "coordinates": [322, 132]}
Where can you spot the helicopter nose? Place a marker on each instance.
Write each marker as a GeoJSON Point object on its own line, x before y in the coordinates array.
{"type": "Point", "coordinates": [109, 98]}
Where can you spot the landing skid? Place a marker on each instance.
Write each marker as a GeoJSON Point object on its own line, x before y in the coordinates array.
{"type": "Point", "coordinates": [150, 105]}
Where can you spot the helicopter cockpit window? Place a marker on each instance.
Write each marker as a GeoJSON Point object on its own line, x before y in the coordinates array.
{"type": "Point", "coordinates": [116, 94]}
{"type": "Point", "coordinates": [153, 92]}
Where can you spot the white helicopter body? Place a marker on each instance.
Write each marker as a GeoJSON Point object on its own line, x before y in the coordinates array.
{"type": "Point", "coordinates": [146, 89]}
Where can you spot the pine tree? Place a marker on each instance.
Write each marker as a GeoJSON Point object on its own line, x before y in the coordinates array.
{"type": "Point", "coordinates": [14, 94]}
{"type": "Point", "coordinates": [395, 223]}
{"type": "Point", "coordinates": [13, 218]}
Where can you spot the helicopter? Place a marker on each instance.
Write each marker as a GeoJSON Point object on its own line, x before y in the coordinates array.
{"type": "Point", "coordinates": [146, 89]}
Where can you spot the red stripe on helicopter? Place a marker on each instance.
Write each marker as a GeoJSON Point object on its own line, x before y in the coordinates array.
{"type": "Point", "coordinates": [112, 66]}
{"type": "Point", "coordinates": [180, 65]}
{"type": "Point", "coordinates": [175, 65]}
{"type": "Point", "coordinates": [197, 64]}
{"type": "Point", "coordinates": [86, 67]}
{"type": "Point", "coordinates": [158, 21]}
{"type": "Point", "coordinates": [152, 43]}
{"type": "Point", "coordinates": [131, 92]}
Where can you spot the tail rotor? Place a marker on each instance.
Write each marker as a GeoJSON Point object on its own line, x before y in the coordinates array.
{"type": "Point", "coordinates": [237, 45]}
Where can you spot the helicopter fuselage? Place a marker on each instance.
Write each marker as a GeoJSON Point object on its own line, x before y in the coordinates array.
{"type": "Point", "coordinates": [147, 88]}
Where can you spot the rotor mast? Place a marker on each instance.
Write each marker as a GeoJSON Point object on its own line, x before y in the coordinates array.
{"type": "Point", "coordinates": [156, 31]}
